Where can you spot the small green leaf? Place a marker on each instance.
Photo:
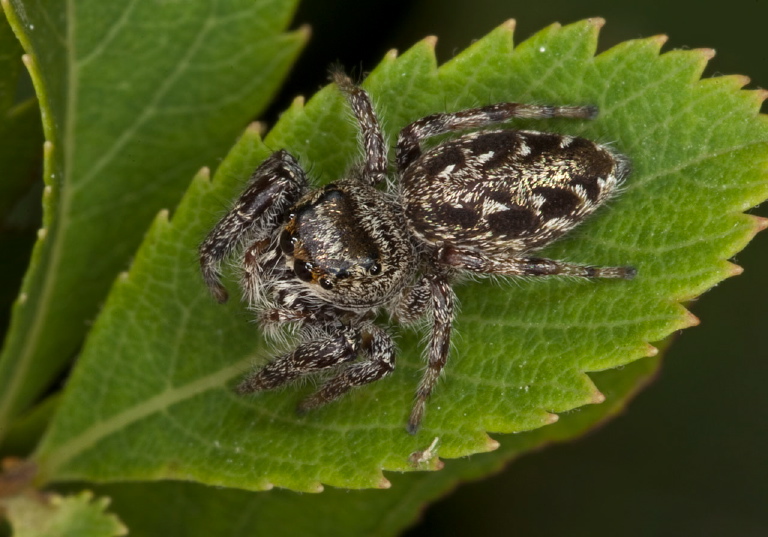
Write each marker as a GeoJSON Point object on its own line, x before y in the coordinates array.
{"type": "Point", "coordinates": [38, 515]}
{"type": "Point", "coordinates": [157, 370]}
{"type": "Point", "coordinates": [135, 97]}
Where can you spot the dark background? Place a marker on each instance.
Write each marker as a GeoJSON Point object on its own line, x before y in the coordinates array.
{"type": "Point", "coordinates": [688, 458]}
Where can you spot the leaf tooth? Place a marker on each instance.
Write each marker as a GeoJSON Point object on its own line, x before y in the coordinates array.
{"type": "Point", "coordinates": [298, 102]}
{"type": "Point", "coordinates": [706, 53]}
{"type": "Point", "coordinates": [384, 483]}
{"type": "Point", "coordinates": [257, 128]}
{"type": "Point", "coordinates": [596, 22]}
{"type": "Point", "coordinates": [315, 487]}
{"type": "Point", "coordinates": [305, 31]}
{"type": "Point", "coordinates": [163, 215]}
{"type": "Point", "coordinates": [760, 222]}
{"type": "Point", "coordinates": [551, 418]}
{"type": "Point", "coordinates": [391, 55]}
{"type": "Point", "coordinates": [203, 174]}
{"type": "Point", "coordinates": [430, 41]}
{"type": "Point", "coordinates": [658, 40]}
{"type": "Point", "coordinates": [597, 397]}
{"type": "Point", "coordinates": [651, 350]}
{"type": "Point", "coordinates": [508, 25]}
{"type": "Point", "coordinates": [733, 269]}
{"type": "Point", "coordinates": [493, 445]}
{"type": "Point", "coordinates": [689, 320]}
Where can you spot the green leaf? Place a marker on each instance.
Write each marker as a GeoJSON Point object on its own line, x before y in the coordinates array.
{"type": "Point", "coordinates": [157, 370]}
{"type": "Point", "coordinates": [36, 515]}
{"type": "Point", "coordinates": [202, 511]}
{"type": "Point", "coordinates": [20, 128]}
{"type": "Point", "coordinates": [135, 98]}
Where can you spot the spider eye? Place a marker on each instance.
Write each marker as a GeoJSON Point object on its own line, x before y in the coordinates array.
{"type": "Point", "coordinates": [375, 269]}
{"type": "Point", "coordinates": [326, 283]}
{"type": "Point", "coordinates": [286, 242]}
{"type": "Point", "coordinates": [303, 270]}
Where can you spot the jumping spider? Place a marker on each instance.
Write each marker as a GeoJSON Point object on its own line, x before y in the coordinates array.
{"type": "Point", "coordinates": [327, 259]}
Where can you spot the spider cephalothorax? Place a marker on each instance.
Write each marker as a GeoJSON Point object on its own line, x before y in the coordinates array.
{"type": "Point", "coordinates": [327, 259]}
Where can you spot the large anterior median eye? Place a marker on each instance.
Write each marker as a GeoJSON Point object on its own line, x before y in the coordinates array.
{"type": "Point", "coordinates": [375, 269]}
{"type": "Point", "coordinates": [286, 242]}
{"type": "Point", "coordinates": [303, 270]}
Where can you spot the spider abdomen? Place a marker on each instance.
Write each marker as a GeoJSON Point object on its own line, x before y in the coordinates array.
{"type": "Point", "coordinates": [507, 190]}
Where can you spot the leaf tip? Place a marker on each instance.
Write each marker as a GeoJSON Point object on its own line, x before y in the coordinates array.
{"type": "Point", "coordinates": [509, 25]}
{"type": "Point", "coordinates": [596, 22]}
{"type": "Point", "coordinates": [732, 269]}
{"type": "Point", "coordinates": [256, 127]}
{"type": "Point", "coordinates": [650, 350]}
{"type": "Point", "coordinates": [690, 320]}
{"type": "Point", "coordinates": [708, 54]}
{"type": "Point", "coordinates": [430, 41]}
{"type": "Point", "coordinates": [305, 31]}
{"type": "Point", "coordinates": [204, 173]}
{"type": "Point", "coordinates": [551, 418]}
{"type": "Point", "coordinates": [491, 444]}
{"type": "Point", "coordinates": [760, 222]}
{"type": "Point", "coordinates": [163, 215]}
{"type": "Point", "coordinates": [659, 40]}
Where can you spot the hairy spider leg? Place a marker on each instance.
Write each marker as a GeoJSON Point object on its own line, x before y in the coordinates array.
{"type": "Point", "coordinates": [378, 362]}
{"type": "Point", "coordinates": [408, 148]}
{"type": "Point", "coordinates": [443, 300]}
{"type": "Point", "coordinates": [274, 187]}
{"type": "Point", "coordinates": [312, 355]}
{"type": "Point", "coordinates": [511, 265]}
{"type": "Point", "coordinates": [375, 167]}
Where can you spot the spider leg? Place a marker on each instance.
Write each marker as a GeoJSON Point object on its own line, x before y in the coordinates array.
{"type": "Point", "coordinates": [440, 343]}
{"type": "Point", "coordinates": [414, 301]}
{"type": "Point", "coordinates": [379, 362]}
{"type": "Point", "coordinates": [375, 167]}
{"type": "Point", "coordinates": [311, 356]}
{"type": "Point", "coordinates": [274, 187]}
{"type": "Point", "coordinates": [408, 148]}
{"type": "Point", "coordinates": [526, 266]}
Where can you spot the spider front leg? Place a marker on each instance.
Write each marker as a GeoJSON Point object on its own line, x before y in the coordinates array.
{"type": "Point", "coordinates": [375, 167]}
{"type": "Point", "coordinates": [443, 301]}
{"type": "Point", "coordinates": [311, 356]}
{"type": "Point", "coordinates": [510, 265]}
{"type": "Point", "coordinates": [408, 148]}
{"type": "Point", "coordinates": [274, 186]}
{"type": "Point", "coordinates": [379, 361]}
{"type": "Point", "coordinates": [414, 301]}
